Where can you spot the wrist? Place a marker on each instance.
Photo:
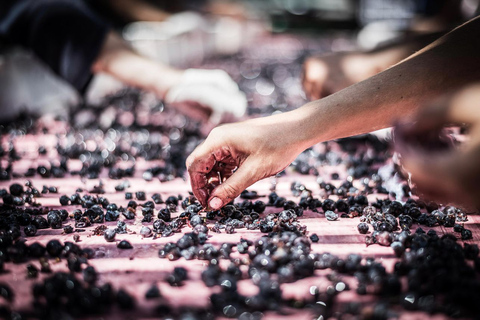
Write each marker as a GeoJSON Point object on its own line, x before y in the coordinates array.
{"type": "Point", "coordinates": [321, 120]}
{"type": "Point", "coordinates": [296, 127]}
{"type": "Point", "coordinates": [307, 119]}
{"type": "Point", "coordinates": [163, 79]}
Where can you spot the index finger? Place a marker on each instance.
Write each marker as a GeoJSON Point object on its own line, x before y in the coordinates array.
{"type": "Point", "coordinates": [199, 164]}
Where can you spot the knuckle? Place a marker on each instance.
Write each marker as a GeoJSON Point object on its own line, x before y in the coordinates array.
{"type": "Point", "coordinates": [216, 133]}
{"type": "Point", "coordinates": [230, 191]}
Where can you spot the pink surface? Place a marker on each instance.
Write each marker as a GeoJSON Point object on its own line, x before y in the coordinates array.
{"type": "Point", "coordinates": [135, 270]}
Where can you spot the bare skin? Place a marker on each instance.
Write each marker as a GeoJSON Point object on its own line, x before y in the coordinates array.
{"type": "Point", "coordinates": [330, 73]}
{"type": "Point", "coordinates": [262, 147]}
{"type": "Point", "coordinates": [326, 74]}
{"type": "Point", "coordinates": [448, 175]}
{"type": "Point", "coordinates": [140, 10]}
{"type": "Point", "coordinates": [198, 97]}
{"type": "Point", "coordinates": [118, 59]}
{"type": "Point", "coordinates": [137, 10]}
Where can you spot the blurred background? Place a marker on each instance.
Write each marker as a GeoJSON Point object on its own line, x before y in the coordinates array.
{"type": "Point", "coordinates": [198, 33]}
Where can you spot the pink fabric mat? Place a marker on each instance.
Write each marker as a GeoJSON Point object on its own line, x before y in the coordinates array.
{"type": "Point", "coordinates": [135, 270]}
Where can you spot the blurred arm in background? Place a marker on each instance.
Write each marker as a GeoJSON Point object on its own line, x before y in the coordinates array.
{"type": "Point", "coordinates": [75, 43]}
{"type": "Point", "coordinates": [142, 10]}
{"type": "Point", "coordinates": [327, 74]}
{"type": "Point", "coordinates": [118, 59]}
{"type": "Point", "coordinates": [136, 10]}
{"type": "Point", "coordinates": [234, 9]}
{"type": "Point", "coordinates": [202, 94]}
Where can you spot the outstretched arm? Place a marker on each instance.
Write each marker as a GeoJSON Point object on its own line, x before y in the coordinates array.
{"type": "Point", "coordinates": [203, 94]}
{"type": "Point", "coordinates": [119, 60]}
{"type": "Point", "coordinates": [445, 65]}
{"type": "Point", "coordinates": [136, 10]}
{"type": "Point", "coordinates": [273, 142]}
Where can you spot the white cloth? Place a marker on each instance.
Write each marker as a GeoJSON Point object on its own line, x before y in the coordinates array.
{"type": "Point", "coordinates": [210, 88]}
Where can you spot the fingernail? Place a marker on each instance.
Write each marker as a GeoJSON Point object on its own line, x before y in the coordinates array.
{"type": "Point", "coordinates": [202, 195]}
{"type": "Point", "coordinates": [215, 203]}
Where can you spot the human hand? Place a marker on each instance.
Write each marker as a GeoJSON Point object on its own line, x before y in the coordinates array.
{"type": "Point", "coordinates": [439, 171]}
{"type": "Point", "coordinates": [235, 156]}
{"type": "Point", "coordinates": [208, 94]}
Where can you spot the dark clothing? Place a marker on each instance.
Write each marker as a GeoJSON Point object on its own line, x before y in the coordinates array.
{"type": "Point", "coordinates": [65, 34]}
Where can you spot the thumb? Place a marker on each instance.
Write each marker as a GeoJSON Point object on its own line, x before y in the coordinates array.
{"type": "Point", "coordinates": [234, 185]}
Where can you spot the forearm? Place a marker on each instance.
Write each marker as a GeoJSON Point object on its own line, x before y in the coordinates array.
{"type": "Point", "coordinates": [447, 64]}
{"type": "Point", "coordinates": [137, 10]}
{"type": "Point", "coordinates": [119, 60]}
